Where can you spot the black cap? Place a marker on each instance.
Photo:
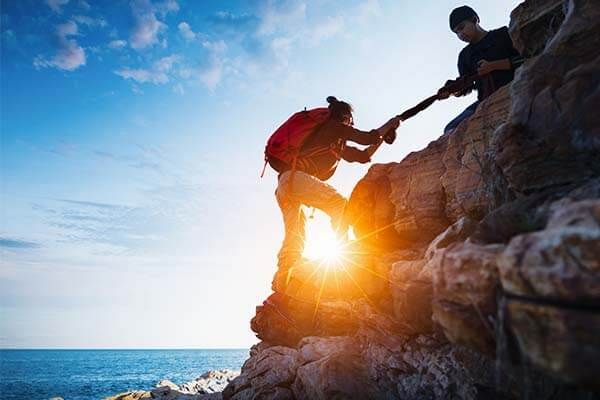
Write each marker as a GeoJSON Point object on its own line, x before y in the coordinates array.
{"type": "Point", "coordinates": [460, 14]}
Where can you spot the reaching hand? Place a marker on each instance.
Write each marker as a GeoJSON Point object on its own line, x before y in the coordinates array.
{"type": "Point", "coordinates": [443, 94]}
{"type": "Point", "coordinates": [485, 67]}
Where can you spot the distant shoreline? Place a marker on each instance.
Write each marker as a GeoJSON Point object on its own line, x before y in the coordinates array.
{"type": "Point", "coordinates": [131, 349]}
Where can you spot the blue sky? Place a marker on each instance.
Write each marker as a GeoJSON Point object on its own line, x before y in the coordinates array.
{"type": "Point", "coordinates": [132, 135]}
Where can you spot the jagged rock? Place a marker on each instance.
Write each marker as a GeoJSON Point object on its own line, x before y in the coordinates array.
{"type": "Point", "coordinates": [134, 395]}
{"type": "Point", "coordinates": [465, 277]}
{"type": "Point", "coordinates": [471, 180]}
{"type": "Point", "coordinates": [207, 386]}
{"type": "Point", "coordinates": [562, 341]}
{"type": "Point", "coordinates": [284, 320]}
{"type": "Point", "coordinates": [555, 274]}
{"type": "Point", "coordinates": [511, 186]}
{"type": "Point", "coordinates": [457, 232]}
{"type": "Point", "coordinates": [417, 193]}
{"type": "Point", "coordinates": [411, 281]}
{"type": "Point", "coordinates": [552, 135]}
{"type": "Point", "coordinates": [559, 262]}
{"type": "Point", "coordinates": [371, 211]}
{"type": "Point", "coordinates": [338, 376]}
{"type": "Point", "coordinates": [411, 288]}
{"type": "Point", "coordinates": [533, 23]}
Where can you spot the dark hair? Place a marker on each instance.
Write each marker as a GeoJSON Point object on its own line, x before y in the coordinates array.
{"type": "Point", "coordinates": [338, 109]}
{"type": "Point", "coordinates": [461, 14]}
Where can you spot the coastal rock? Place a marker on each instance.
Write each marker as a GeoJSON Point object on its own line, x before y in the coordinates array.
{"type": "Point", "coordinates": [533, 23]}
{"type": "Point", "coordinates": [465, 277]}
{"type": "Point", "coordinates": [484, 244]}
{"type": "Point", "coordinates": [207, 386]}
{"type": "Point", "coordinates": [418, 195]}
{"type": "Point", "coordinates": [371, 211]}
{"type": "Point", "coordinates": [552, 278]}
{"type": "Point", "coordinates": [552, 137]}
{"type": "Point", "coordinates": [561, 262]}
{"type": "Point", "coordinates": [471, 180]}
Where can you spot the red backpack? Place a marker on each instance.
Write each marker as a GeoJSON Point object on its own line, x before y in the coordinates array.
{"type": "Point", "coordinates": [285, 143]}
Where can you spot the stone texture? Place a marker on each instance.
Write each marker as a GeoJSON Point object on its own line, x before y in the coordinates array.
{"type": "Point", "coordinates": [465, 277]}
{"type": "Point", "coordinates": [207, 386]}
{"type": "Point", "coordinates": [552, 137]}
{"type": "Point", "coordinates": [371, 211]}
{"type": "Point", "coordinates": [471, 180]}
{"type": "Point", "coordinates": [563, 341]}
{"type": "Point", "coordinates": [533, 23]}
{"type": "Point", "coordinates": [561, 262]}
{"type": "Point", "coordinates": [508, 201]}
{"type": "Point", "coordinates": [417, 194]}
{"type": "Point", "coordinates": [552, 277]}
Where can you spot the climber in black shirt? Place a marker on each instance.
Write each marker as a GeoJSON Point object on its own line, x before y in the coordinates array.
{"type": "Point", "coordinates": [490, 54]}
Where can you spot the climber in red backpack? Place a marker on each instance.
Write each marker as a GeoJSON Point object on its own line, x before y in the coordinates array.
{"type": "Point", "coordinates": [305, 150]}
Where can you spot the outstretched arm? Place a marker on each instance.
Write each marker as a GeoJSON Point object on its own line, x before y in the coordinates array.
{"type": "Point", "coordinates": [352, 154]}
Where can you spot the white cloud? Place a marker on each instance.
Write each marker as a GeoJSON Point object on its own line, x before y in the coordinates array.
{"type": "Point", "coordinates": [179, 89]}
{"type": "Point", "coordinates": [186, 31]}
{"type": "Point", "coordinates": [280, 18]}
{"type": "Point", "coordinates": [166, 63]}
{"type": "Point", "coordinates": [211, 75]}
{"type": "Point", "coordinates": [147, 28]}
{"type": "Point", "coordinates": [69, 55]}
{"type": "Point", "coordinates": [157, 75]}
{"type": "Point", "coordinates": [56, 5]}
{"type": "Point", "coordinates": [167, 6]}
{"type": "Point", "coordinates": [328, 28]}
{"type": "Point", "coordinates": [143, 75]}
{"type": "Point", "coordinates": [84, 4]}
{"type": "Point", "coordinates": [85, 20]}
{"type": "Point", "coordinates": [117, 44]}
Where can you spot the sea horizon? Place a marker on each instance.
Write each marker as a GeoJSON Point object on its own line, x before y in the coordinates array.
{"type": "Point", "coordinates": [82, 374]}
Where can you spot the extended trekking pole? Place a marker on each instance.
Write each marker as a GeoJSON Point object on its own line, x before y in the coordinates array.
{"type": "Point", "coordinates": [452, 87]}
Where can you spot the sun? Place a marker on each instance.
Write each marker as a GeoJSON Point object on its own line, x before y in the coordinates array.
{"type": "Point", "coordinates": [322, 245]}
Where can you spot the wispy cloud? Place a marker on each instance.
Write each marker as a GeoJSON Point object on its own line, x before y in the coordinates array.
{"type": "Point", "coordinates": [93, 204]}
{"type": "Point", "coordinates": [18, 244]}
{"type": "Point", "coordinates": [157, 74]}
{"type": "Point", "coordinates": [147, 27]}
{"type": "Point", "coordinates": [89, 21]}
{"type": "Point", "coordinates": [117, 44]}
{"type": "Point", "coordinates": [70, 55]}
{"type": "Point", "coordinates": [140, 160]}
{"type": "Point", "coordinates": [166, 7]}
{"type": "Point", "coordinates": [178, 88]}
{"type": "Point", "coordinates": [56, 5]}
{"type": "Point", "coordinates": [186, 31]}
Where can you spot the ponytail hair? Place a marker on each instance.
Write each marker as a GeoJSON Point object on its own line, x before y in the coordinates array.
{"type": "Point", "coordinates": [338, 109]}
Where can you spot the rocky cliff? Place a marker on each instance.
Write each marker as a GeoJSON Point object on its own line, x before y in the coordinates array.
{"type": "Point", "coordinates": [476, 273]}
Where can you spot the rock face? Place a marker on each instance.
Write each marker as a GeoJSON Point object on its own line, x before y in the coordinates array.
{"type": "Point", "coordinates": [476, 273]}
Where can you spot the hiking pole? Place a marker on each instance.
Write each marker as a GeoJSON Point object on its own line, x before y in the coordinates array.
{"type": "Point", "coordinates": [454, 86]}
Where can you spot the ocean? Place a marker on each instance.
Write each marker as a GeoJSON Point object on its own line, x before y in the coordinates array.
{"type": "Point", "coordinates": [95, 374]}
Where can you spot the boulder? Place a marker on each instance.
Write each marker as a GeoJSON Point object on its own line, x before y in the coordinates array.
{"type": "Point", "coordinates": [465, 278]}
{"type": "Point", "coordinates": [533, 23]}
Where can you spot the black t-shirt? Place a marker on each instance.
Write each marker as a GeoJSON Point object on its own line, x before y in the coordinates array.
{"type": "Point", "coordinates": [495, 45]}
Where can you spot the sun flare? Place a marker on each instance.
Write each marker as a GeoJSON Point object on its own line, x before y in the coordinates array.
{"type": "Point", "coordinates": [323, 246]}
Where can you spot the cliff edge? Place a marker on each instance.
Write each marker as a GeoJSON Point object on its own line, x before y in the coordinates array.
{"type": "Point", "coordinates": [477, 270]}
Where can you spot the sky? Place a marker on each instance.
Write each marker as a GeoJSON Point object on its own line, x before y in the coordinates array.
{"type": "Point", "coordinates": [132, 139]}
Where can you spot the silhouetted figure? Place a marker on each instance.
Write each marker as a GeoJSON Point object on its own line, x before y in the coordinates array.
{"type": "Point", "coordinates": [316, 161]}
{"type": "Point", "coordinates": [491, 54]}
